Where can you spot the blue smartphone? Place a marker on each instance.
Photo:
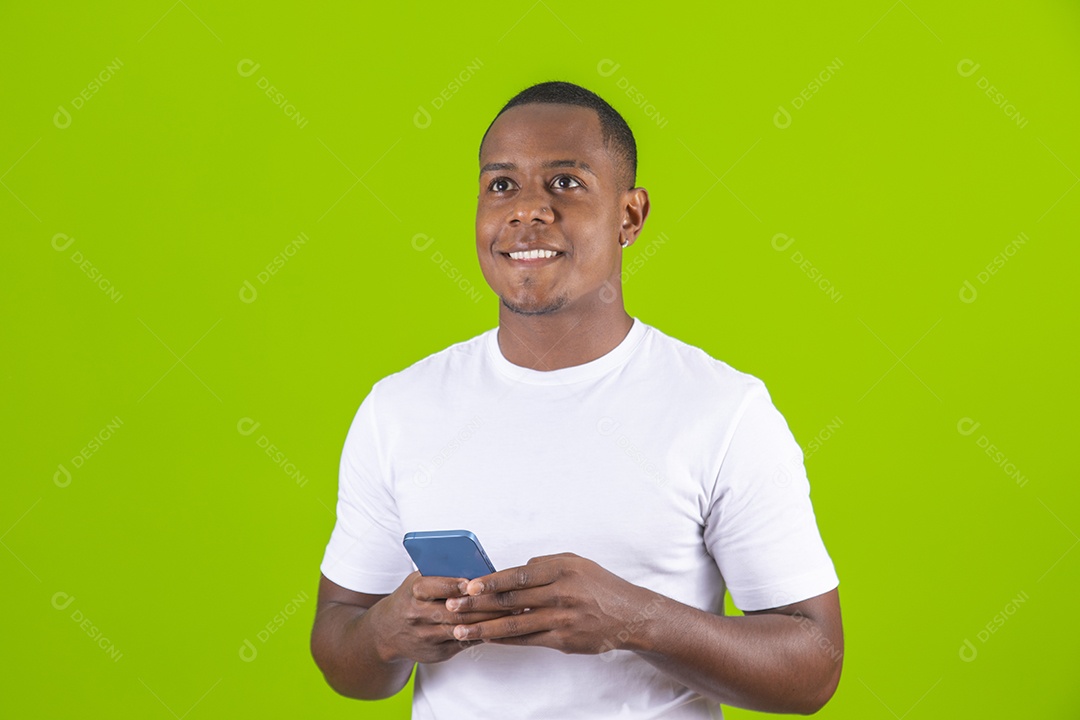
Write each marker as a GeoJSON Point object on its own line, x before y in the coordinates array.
{"type": "Point", "coordinates": [448, 553]}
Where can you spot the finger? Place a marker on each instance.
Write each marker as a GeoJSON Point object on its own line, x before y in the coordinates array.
{"type": "Point", "coordinates": [504, 627]}
{"type": "Point", "coordinates": [541, 558]}
{"type": "Point", "coordinates": [524, 576]}
{"type": "Point", "coordinates": [510, 600]}
{"type": "Point", "coordinates": [538, 638]}
{"type": "Point", "coordinates": [438, 588]}
{"type": "Point", "coordinates": [468, 618]}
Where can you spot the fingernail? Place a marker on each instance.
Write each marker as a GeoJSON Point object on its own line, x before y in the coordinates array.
{"type": "Point", "coordinates": [460, 632]}
{"type": "Point", "coordinates": [452, 604]}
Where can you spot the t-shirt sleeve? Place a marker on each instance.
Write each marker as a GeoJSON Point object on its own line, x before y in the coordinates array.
{"type": "Point", "coordinates": [761, 528]}
{"type": "Point", "coordinates": [365, 553]}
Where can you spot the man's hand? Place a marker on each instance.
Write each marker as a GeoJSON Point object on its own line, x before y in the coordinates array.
{"type": "Point", "coordinates": [414, 623]}
{"type": "Point", "coordinates": [565, 602]}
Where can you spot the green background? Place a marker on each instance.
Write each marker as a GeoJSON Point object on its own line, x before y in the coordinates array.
{"type": "Point", "coordinates": [179, 180]}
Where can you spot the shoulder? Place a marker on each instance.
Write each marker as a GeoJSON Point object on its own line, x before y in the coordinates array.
{"type": "Point", "coordinates": [458, 361]}
{"type": "Point", "coordinates": [697, 371]}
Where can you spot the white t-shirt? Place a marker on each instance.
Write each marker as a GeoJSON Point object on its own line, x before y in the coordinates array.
{"type": "Point", "coordinates": [667, 467]}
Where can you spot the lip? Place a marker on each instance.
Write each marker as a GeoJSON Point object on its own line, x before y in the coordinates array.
{"type": "Point", "coordinates": [526, 246]}
{"type": "Point", "coordinates": [532, 262]}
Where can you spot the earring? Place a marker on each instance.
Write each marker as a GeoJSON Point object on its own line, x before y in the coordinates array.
{"type": "Point", "coordinates": [623, 243]}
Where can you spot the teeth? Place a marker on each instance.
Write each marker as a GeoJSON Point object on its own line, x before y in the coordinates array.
{"type": "Point", "coordinates": [533, 254]}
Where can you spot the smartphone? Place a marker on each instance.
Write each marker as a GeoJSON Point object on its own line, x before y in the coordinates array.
{"type": "Point", "coordinates": [448, 553]}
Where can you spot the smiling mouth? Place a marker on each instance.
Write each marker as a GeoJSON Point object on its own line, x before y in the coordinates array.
{"type": "Point", "coordinates": [531, 256]}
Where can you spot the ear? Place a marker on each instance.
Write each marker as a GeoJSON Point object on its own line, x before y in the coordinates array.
{"type": "Point", "coordinates": [635, 208]}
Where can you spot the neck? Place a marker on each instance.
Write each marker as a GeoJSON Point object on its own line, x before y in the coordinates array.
{"type": "Point", "coordinates": [560, 340]}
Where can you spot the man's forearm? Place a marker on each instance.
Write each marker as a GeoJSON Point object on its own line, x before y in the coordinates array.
{"type": "Point", "coordinates": [343, 644]}
{"type": "Point", "coordinates": [769, 662]}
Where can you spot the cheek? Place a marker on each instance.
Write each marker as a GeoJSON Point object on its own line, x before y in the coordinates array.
{"type": "Point", "coordinates": [487, 226]}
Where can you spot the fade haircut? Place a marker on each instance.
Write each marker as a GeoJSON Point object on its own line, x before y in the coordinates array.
{"type": "Point", "coordinates": [618, 139]}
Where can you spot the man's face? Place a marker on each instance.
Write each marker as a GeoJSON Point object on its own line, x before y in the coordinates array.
{"type": "Point", "coordinates": [548, 183]}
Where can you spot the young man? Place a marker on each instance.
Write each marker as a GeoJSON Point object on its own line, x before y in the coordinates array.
{"type": "Point", "coordinates": [619, 479]}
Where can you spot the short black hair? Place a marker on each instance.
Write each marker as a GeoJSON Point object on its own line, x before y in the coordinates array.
{"type": "Point", "coordinates": [618, 138]}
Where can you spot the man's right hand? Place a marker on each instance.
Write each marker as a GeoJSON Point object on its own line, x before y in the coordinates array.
{"type": "Point", "coordinates": [412, 623]}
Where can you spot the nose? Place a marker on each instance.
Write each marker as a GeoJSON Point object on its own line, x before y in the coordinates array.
{"type": "Point", "coordinates": [531, 207]}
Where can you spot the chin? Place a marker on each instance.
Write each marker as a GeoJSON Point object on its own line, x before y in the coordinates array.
{"type": "Point", "coordinates": [532, 307]}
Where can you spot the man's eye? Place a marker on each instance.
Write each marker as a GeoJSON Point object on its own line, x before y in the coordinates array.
{"type": "Point", "coordinates": [565, 182]}
{"type": "Point", "coordinates": [500, 185]}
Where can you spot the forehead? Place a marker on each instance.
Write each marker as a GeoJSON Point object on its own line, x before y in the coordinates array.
{"type": "Point", "coordinates": [541, 132]}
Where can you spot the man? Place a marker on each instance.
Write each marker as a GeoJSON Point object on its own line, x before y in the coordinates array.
{"type": "Point", "coordinates": [619, 479]}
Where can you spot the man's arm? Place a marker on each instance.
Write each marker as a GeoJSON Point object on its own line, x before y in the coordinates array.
{"type": "Point", "coordinates": [366, 645]}
{"type": "Point", "coordinates": [343, 645]}
{"type": "Point", "coordinates": [783, 660]}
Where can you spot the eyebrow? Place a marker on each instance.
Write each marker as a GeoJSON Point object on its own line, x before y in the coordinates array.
{"type": "Point", "coordinates": [493, 167]}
